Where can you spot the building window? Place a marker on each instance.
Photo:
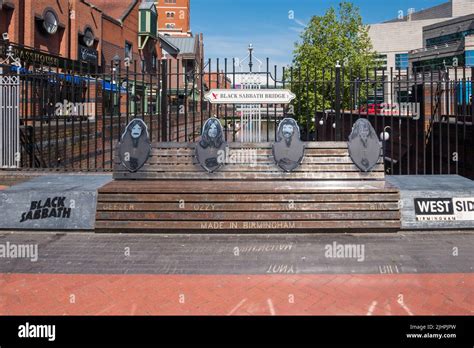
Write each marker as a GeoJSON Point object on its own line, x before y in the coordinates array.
{"type": "Point", "coordinates": [50, 22]}
{"type": "Point", "coordinates": [470, 58]}
{"type": "Point", "coordinates": [88, 37]}
{"type": "Point", "coordinates": [128, 50]}
{"type": "Point", "coordinates": [170, 14]}
{"type": "Point", "coordinates": [440, 63]}
{"type": "Point", "coordinates": [170, 1]}
{"type": "Point", "coordinates": [381, 59]}
{"type": "Point", "coordinates": [446, 39]}
{"type": "Point", "coordinates": [154, 61]}
{"type": "Point", "coordinates": [401, 61]}
{"type": "Point", "coordinates": [170, 25]}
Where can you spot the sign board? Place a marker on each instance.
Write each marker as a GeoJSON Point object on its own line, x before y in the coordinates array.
{"type": "Point", "coordinates": [435, 201]}
{"type": "Point", "coordinates": [88, 54]}
{"type": "Point", "coordinates": [444, 209]}
{"type": "Point", "coordinates": [246, 96]}
{"type": "Point", "coordinates": [31, 57]}
{"type": "Point", "coordinates": [52, 202]}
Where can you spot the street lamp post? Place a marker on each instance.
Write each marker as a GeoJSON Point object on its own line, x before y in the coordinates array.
{"type": "Point", "coordinates": [116, 83]}
{"type": "Point", "coordinates": [250, 57]}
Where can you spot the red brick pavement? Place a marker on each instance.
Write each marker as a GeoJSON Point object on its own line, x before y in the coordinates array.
{"type": "Point", "coordinates": [48, 294]}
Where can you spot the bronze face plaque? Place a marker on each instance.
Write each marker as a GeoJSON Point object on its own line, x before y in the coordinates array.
{"type": "Point", "coordinates": [211, 146]}
{"type": "Point", "coordinates": [135, 146]}
{"type": "Point", "coordinates": [288, 151]}
{"type": "Point", "coordinates": [364, 145]}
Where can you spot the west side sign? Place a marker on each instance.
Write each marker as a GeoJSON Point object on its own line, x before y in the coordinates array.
{"type": "Point", "coordinates": [248, 96]}
{"type": "Point", "coordinates": [444, 209]}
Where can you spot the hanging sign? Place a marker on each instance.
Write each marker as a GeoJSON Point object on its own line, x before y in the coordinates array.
{"type": "Point", "coordinates": [248, 96]}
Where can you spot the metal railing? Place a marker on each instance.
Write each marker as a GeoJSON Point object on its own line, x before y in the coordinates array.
{"type": "Point", "coordinates": [71, 119]}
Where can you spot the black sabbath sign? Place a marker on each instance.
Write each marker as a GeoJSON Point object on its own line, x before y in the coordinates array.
{"type": "Point", "coordinates": [211, 145]}
{"type": "Point", "coordinates": [52, 207]}
{"type": "Point", "coordinates": [134, 147]}
{"type": "Point", "coordinates": [52, 202]}
{"type": "Point", "coordinates": [288, 151]}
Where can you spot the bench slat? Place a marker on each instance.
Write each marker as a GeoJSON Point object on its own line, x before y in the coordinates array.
{"type": "Point", "coordinates": [239, 226]}
{"type": "Point", "coordinates": [265, 187]}
{"type": "Point", "coordinates": [249, 206]}
{"type": "Point", "coordinates": [253, 197]}
{"type": "Point", "coordinates": [248, 216]}
{"type": "Point", "coordinates": [254, 175]}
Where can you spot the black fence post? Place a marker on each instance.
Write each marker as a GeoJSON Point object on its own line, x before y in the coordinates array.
{"type": "Point", "coordinates": [337, 105]}
{"type": "Point", "coordinates": [471, 100]}
{"type": "Point", "coordinates": [164, 100]}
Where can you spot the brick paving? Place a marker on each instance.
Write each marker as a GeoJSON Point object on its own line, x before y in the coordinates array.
{"type": "Point", "coordinates": [89, 274]}
{"type": "Point", "coordinates": [336, 294]}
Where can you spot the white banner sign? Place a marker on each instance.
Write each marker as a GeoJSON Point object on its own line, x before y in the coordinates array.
{"type": "Point", "coordinates": [248, 96]}
{"type": "Point", "coordinates": [444, 209]}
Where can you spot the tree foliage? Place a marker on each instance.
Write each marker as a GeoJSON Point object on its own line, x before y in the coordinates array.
{"type": "Point", "coordinates": [337, 36]}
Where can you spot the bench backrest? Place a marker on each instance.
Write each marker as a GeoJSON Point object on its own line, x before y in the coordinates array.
{"type": "Point", "coordinates": [322, 161]}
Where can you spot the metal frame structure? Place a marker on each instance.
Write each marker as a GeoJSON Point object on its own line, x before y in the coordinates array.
{"type": "Point", "coordinates": [434, 134]}
{"type": "Point", "coordinates": [9, 113]}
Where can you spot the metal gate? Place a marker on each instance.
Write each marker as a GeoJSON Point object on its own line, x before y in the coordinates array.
{"type": "Point", "coordinates": [250, 114]}
{"type": "Point", "coordinates": [9, 120]}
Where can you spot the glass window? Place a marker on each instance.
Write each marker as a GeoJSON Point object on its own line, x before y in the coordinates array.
{"type": "Point", "coordinates": [154, 61]}
{"type": "Point", "coordinates": [50, 22]}
{"type": "Point", "coordinates": [128, 50]}
{"type": "Point", "coordinates": [446, 39]}
{"type": "Point", "coordinates": [470, 58]}
{"type": "Point", "coordinates": [88, 38]}
{"type": "Point", "coordinates": [440, 63]}
{"type": "Point", "coordinates": [401, 61]}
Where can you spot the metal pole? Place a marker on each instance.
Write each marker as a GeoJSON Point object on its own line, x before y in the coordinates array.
{"type": "Point", "coordinates": [164, 101]}
{"type": "Point", "coordinates": [338, 101]}
{"type": "Point", "coordinates": [250, 57]}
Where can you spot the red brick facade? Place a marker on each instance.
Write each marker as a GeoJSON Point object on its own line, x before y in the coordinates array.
{"type": "Point", "coordinates": [23, 21]}
{"type": "Point", "coordinates": [216, 80]}
{"type": "Point", "coordinates": [174, 17]}
{"type": "Point", "coordinates": [113, 25]}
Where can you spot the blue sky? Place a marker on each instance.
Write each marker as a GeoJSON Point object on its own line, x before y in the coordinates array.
{"type": "Point", "coordinates": [230, 25]}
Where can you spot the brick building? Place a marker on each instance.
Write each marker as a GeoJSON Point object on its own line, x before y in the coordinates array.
{"type": "Point", "coordinates": [394, 39]}
{"type": "Point", "coordinates": [124, 38]}
{"type": "Point", "coordinates": [59, 33]}
{"type": "Point", "coordinates": [218, 80]}
{"type": "Point", "coordinates": [62, 31]}
{"type": "Point", "coordinates": [174, 17]}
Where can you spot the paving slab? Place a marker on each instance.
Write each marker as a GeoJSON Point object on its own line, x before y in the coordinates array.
{"type": "Point", "coordinates": [86, 253]}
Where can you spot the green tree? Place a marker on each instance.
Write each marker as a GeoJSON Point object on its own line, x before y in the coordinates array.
{"type": "Point", "coordinates": [337, 36]}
